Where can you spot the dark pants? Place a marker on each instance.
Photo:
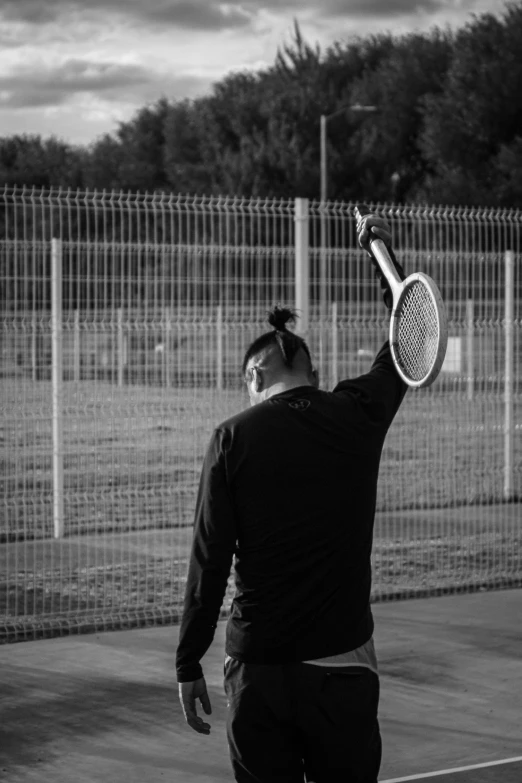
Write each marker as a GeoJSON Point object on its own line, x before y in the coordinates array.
{"type": "Point", "coordinates": [295, 722]}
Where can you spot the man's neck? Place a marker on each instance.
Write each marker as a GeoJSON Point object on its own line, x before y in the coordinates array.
{"type": "Point", "coordinates": [285, 385]}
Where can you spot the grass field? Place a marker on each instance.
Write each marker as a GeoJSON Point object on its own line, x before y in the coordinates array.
{"type": "Point", "coordinates": [132, 455]}
{"type": "Point", "coordinates": [114, 581]}
{"type": "Point", "coordinates": [132, 458]}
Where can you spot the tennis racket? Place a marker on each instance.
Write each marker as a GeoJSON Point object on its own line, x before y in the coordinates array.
{"type": "Point", "coordinates": [418, 324]}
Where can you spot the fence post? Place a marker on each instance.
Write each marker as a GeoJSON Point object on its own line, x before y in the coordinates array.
{"type": "Point", "coordinates": [120, 351]}
{"type": "Point", "coordinates": [469, 346]}
{"type": "Point", "coordinates": [323, 285]}
{"type": "Point", "coordinates": [76, 346]}
{"type": "Point", "coordinates": [168, 345]}
{"type": "Point", "coordinates": [34, 371]}
{"type": "Point", "coordinates": [335, 346]}
{"type": "Point", "coordinates": [302, 266]}
{"type": "Point", "coordinates": [219, 348]}
{"type": "Point", "coordinates": [57, 385]}
{"type": "Point", "coordinates": [509, 362]}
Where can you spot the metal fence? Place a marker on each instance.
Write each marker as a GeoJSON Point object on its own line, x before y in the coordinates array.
{"type": "Point", "coordinates": [109, 399]}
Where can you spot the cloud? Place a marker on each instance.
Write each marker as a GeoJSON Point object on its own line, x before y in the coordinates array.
{"type": "Point", "coordinates": [377, 8]}
{"type": "Point", "coordinates": [191, 14]}
{"type": "Point", "coordinates": [46, 87]}
{"type": "Point", "coordinates": [362, 9]}
{"type": "Point", "coordinates": [386, 9]}
{"type": "Point", "coordinates": [9, 40]}
{"type": "Point", "coordinates": [184, 14]}
{"type": "Point", "coordinates": [216, 15]}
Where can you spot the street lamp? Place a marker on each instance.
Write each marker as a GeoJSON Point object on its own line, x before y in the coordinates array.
{"type": "Point", "coordinates": [355, 107]}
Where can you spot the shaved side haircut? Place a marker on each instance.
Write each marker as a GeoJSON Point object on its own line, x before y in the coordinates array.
{"type": "Point", "coordinates": [280, 343]}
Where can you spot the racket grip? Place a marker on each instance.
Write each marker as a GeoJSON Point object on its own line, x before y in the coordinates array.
{"type": "Point", "coordinates": [387, 264]}
{"type": "Point", "coordinates": [385, 261]}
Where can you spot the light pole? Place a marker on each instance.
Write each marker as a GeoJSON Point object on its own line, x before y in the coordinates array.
{"type": "Point", "coordinates": [355, 107]}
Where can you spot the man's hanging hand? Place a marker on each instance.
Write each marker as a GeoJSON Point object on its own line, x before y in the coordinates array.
{"type": "Point", "coordinates": [188, 693]}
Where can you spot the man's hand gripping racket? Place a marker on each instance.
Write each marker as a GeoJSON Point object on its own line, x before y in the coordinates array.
{"type": "Point", "coordinates": [418, 324]}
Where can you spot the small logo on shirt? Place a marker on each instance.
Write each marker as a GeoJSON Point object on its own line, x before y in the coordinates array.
{"type": "Point", "coordinates": [300, 405]}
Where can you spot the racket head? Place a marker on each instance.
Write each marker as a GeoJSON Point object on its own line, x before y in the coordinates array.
{"type": "Point", "coordinates": [419, 331]}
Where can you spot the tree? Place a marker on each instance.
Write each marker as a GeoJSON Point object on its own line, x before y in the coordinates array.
{"type": "Point", "coordinates": [185, 169]}
{"type": "Point", "coordinates": [507, 173]}
{"type": "Point", "coordinates": [479, 110]}
{"type": "Point", "coordinates": [447, 129]}
{"type": "Point", "coordinates": [413, 67]}
{"type": "Point", "coordinates": [142, 142]}
{"type": "Point", "coordinates": [102, 164]}
{"type": "Point", "coordinates": [29, 160]}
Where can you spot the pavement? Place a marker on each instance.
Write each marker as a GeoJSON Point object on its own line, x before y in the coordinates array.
{"type": "Point", "coordinates": [104, 707]}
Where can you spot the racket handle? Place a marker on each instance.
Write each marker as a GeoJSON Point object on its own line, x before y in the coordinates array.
{"type": "Point", "coordinates": [381, 255]}
{"type": "Point", "coordinates": [386, 265]}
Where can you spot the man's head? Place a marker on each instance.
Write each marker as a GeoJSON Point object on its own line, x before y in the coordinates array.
{"type": "Point", "coordinates": [277, 361]}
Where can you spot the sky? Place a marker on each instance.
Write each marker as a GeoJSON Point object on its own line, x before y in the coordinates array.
{"type": "Point", "coordinates": [76, 68]}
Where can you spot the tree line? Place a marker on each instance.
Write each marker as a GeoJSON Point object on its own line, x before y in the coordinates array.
{"type": "Point", "coordinates": [448, 128]}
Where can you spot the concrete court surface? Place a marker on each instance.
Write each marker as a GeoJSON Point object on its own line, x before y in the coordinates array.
{"type": "Point", "coordinates": [104, 707]}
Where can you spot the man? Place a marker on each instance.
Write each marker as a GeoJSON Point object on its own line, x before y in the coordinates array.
{"type": "Point", "coordinates": [289, 487]}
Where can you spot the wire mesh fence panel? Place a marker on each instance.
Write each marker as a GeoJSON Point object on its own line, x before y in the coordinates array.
{"type": "Point", "coordinates": [160, 296]}
{"type": "Point", "coordinates": [443, 521]}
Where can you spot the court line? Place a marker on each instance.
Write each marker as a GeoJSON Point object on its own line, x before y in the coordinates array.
{"type": "Point", "coordinates": [450, 771]}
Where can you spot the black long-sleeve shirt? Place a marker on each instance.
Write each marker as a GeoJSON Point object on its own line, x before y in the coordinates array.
{"type": "Point", "coordinates": [289, 486]}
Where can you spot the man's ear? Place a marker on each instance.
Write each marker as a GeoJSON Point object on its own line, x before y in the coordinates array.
{"type": "Point", "coordinates": [258, 379]}
{"type": "Point", "coordinates": [315, 378]}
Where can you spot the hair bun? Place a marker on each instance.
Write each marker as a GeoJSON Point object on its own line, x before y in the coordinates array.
{"type": "Point", "coordinates": [280, 316]}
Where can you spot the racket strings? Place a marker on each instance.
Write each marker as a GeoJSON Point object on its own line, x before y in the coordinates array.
{"type": "Point", "coordinates": [418, 332]}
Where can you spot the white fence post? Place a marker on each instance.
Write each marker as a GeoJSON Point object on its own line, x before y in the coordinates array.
{"type": "Point", "coordinates": [509, 363]}
{"type": "Point", "coordinates": [76, 346]}
{"type": "Point", "coordinates": [120, 351]}
{"type": "Point", "coordinates": [302, 266]}
{"type": "Point", "coordinates": [168, 345]}
{"type": "Point", "coordinates": [34, 372]}
{"type": "Point", "coordinates": [57, 386]}
{"type": "Point", "coordinates": [469, 346]}
{"type": "Point", "coordinates": [219, 347]}
{"type": "Point", "coordinates": [335, 346]}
